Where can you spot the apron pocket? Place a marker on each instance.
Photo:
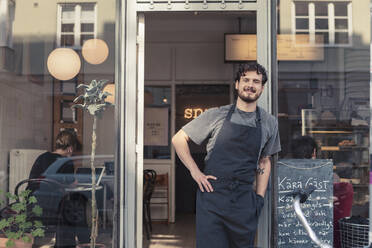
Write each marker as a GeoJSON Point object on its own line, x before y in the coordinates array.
{"type": "Point", "coordinates": [259, 204]}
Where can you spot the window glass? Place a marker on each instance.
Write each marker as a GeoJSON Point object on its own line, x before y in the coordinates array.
{"type": "Point", "coordinates": [68, 11]}
{"type": "Point", "coordinates": [87, 27]}
{"type": "Point", "coordinates": [340, 9]}
{"type": "Point", "coordinates": [68, 28]}
{"type": "Point", "coordinates": [341, 38]}
{"type": "Point", "coordinates": [42, 133]}
{"type": "Point", "coordinates": [302, 9]}
{"type": "Point", "coordinates": [302, 23]}
{"type": "Point", "coordinates": [321, 23]}
{"type": "Point", "coordinates": [325, 95]}
{"type": "Point", "coordinates": [321, 9]}
{"type": "Point", "coordinates": [87, 12]}
{"type": "Point", "coordinates": [67, 40]}
{"type": "Point", "coordinates": [341, 24]}
{"type": "Point", "coordinates": [328, 18]}
{"type": "Point", "coordinates": [83, 15]}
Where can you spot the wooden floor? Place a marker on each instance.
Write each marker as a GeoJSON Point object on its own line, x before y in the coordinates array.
{"type": "Point", "coordinates": [177, 235]}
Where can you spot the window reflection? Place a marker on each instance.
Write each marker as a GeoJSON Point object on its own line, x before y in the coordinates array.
{"type": "Point", "coordinates": [35, 108]}
{"type": "Point", "coordinates": [328, 99]}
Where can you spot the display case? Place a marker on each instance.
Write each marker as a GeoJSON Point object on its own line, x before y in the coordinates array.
{"type": "Point", "coordinates": [347, 145]}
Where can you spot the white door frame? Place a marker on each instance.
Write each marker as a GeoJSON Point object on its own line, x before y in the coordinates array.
{"type": "Point", "coordinates": [131, 80]}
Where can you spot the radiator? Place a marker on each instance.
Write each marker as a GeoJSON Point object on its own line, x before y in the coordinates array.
{"type": "Point", "coordinates": [20, 164]}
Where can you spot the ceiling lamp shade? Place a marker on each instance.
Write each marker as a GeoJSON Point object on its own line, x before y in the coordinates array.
{"type": "Point", "coordinates": [110, 88]}
{"type": "Point", "coordinates": [95, 51]}
{"type": "Point", "coordinates": [63, 63]}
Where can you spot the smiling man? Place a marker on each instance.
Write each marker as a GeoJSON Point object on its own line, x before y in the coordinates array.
{"type": "Point", "coordinates": [241, 139]}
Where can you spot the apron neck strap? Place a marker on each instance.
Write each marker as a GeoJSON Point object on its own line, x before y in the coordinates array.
{"type": "Point", "coordinates": [232, 108]}
{"type": "Point", "coordinates": [231, 111]}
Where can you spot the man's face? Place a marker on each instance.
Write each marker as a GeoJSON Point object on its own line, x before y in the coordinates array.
{"type": "Point", "coordinates": [250, 86]}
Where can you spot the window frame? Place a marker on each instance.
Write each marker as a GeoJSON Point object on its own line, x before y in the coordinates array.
{"type": "Point", "coordinates": [331, 17]}
{"type": "Point", "coordinates": [77, 21]}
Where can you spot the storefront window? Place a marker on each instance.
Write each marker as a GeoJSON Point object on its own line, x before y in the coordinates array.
{"type": "Point", "coordinates": [327, 98]}
{"type": "Point", "coordinates": [44, 61]}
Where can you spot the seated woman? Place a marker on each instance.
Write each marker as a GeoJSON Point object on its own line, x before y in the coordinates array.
{"type": "Point", "coordinates": [66, 144]}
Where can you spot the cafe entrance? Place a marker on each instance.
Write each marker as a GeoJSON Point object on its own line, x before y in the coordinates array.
{"type": "Point", "coordinates": [182, 46]}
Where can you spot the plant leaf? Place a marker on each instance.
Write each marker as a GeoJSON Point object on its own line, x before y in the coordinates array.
{"type": "Point", "coordinates": [4, 223]}
{"type": "Point", "coordinates": [18, 207]}
{"type": "Point", "coordinates": [10, 243]}
{"type": "Point", "coordinates": [20, 218]}
{"type": "Point", "coordinates": [37, 210]}
{"type": "Point", "coordinates": [32, 199]}
{"type": "Point", "coordinates": [26, 239]}
{"type": "Point", "coordinates": [38, 232]}
{"type": "Point", "coordinates": [38, 224]}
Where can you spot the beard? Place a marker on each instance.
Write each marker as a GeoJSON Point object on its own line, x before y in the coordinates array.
{"type": "Point", "coordinates": [249, 98]}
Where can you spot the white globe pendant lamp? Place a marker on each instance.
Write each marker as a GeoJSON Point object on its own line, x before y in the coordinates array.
{"type": "Point", "coordinates": [110, 88]}
{"type": "Point", "coordinates": [95, 51]}
{"type": "Point", "coordinates": [63, 63]}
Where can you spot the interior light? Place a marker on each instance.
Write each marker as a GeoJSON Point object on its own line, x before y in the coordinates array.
{"type": "Point", "coordinates": [63, 63]}
{"type": "Point", "coordinates": [110, 88]}
{"type": "Point", "coordinates": [95, 51]}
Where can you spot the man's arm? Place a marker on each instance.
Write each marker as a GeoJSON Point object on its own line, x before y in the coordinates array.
{"type": "Point", "coordinates": [180, 143]}
{"type": "Point", "coordinates": [263, 175]}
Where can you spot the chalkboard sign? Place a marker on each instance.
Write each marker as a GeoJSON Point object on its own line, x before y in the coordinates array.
{"type": "Point", "coordinates": [318, 209]}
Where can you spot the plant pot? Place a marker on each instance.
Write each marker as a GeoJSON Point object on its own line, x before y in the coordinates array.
{"type": "Point", "coordinates": [18, 243]}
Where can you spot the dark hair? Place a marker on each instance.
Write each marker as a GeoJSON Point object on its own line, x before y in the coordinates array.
{"type": "Point", "coordinates": [303, 147]}
{"type": "Point", "coordinates": [253, 66]}
{"type": "Point", "coordinates": [67, 138]}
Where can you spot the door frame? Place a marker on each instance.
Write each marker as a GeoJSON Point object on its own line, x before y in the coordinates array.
{"type": "Point", "coordinates": [130, 68]}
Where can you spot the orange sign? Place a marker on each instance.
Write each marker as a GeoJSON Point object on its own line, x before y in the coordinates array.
{"type": "Point", "coordinates": [192, 113]}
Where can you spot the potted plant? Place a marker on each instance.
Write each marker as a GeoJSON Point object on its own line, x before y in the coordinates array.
{"type": "Point", "coordinates": [94, 102]}
{"type": "Point", "coordinates": [17, 227]}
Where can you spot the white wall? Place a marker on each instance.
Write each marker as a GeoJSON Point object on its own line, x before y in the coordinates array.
{"type": "Point", "coordinates": [25, 117]}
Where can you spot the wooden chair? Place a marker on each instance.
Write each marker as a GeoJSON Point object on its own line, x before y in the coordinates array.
{"type": "Point", "coordinates": [161, 192]}
{"type": "Point", "coordinates": [149, 177]}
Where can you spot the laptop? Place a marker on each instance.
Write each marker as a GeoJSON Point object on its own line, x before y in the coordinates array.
{"type": "Point", "coordinates": [84, 177]}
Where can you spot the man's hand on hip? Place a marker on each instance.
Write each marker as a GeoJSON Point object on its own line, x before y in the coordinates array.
{"type": "Point", "coordinates": [202, 180]}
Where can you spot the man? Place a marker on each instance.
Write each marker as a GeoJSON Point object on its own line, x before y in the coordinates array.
{"type": "Point", "coordinates": [241, 139]}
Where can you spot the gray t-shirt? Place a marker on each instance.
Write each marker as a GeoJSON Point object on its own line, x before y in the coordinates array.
{"type": "Point", "coordinates": [209, 124]}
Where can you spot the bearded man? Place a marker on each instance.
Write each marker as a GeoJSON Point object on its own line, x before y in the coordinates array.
{"type": "Point", "coordinates": [241, 139]}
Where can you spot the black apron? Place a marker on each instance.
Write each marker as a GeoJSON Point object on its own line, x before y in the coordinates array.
{"type": "Point", "coordinates": [228, 216]}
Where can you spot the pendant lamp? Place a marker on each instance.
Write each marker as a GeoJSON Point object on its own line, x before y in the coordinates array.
{"type": "Point", "coordinates": [95, 51]}
{"type": "Point", "coordinates": [63, 63]}
{"type": "Point", "coordinates": [110, 88]}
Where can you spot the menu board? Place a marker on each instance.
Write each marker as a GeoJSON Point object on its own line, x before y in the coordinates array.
{"type": "Point", "coordinates": [318, 209]}
{"type": "Point", "coordinates": [156, 127]}
{"type": "Point", "coordinates": [290, 47]}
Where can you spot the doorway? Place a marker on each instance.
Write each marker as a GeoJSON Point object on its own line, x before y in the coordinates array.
{"type": "Point", "coordinates": [184, 52]}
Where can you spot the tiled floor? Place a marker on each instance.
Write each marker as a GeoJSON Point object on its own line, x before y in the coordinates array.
{"type": "Point", "coordinates": [177, 235]}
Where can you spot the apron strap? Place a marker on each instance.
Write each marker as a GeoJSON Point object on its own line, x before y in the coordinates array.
{"type": "Point", "coordinates": [258, 114]}
{"type": "Point", "coordinates": [231, 111]}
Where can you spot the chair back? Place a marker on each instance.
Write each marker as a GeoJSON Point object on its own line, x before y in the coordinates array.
{"type": "Point", "coordinates": [149, 179]}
